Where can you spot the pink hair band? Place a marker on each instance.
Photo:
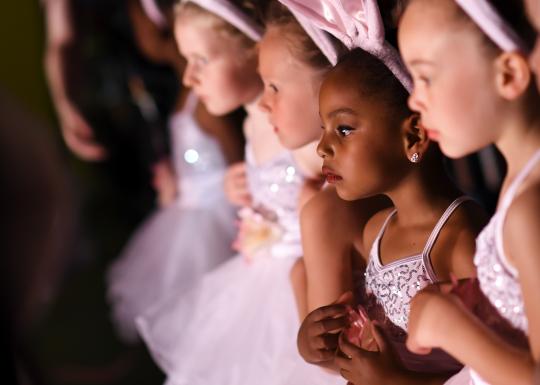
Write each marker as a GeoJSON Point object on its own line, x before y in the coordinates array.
{"type": "Point", "coordinates": [153, 12]}
{"type": "Point", "coordinates": [493, 25]}
{"type": "Point", "coordinates": [231, 14]}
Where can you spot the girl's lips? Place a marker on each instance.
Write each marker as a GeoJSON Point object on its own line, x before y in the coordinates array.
{"type": "Point", "coordinates": [330, 175]}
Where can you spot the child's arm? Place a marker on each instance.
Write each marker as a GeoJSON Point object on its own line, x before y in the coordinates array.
{"type": "Point", "coordinates": [463, 336]}
{"type": "Point", "coordinates": [164, 182]}
{"type": "Point", "coordinates": [466, 338]}
{"type": "Point", "coordinates": [331, 232]}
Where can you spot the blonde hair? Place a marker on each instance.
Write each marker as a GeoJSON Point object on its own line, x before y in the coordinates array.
{"type": "Point", "coordinates": [298, 41]}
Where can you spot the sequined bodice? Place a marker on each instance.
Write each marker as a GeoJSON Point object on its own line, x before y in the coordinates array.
{"type": "Point", "coordinates": [498, 279]}
{"type": "Point", "coordinates": [275, 187]}
{"type": "Point", "coordinates": [197, 158]}
{"type": "Point", "coordinates": [395, 284]}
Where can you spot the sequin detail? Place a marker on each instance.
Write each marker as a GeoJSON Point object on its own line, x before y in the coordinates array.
{"type": "Point", "coordinates": [275, 186]}
{"type": "Point", "coordinates": [498, 279]}
{"type": "Point", "coordinates": [395, 284]}
{"type": "Point", "coordinates": [197, 159]}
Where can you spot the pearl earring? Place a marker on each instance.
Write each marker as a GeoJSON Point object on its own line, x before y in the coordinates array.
{"type": "Point", "coordinates": [415, 158]}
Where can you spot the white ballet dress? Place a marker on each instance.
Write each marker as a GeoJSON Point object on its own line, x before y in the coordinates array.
{"type": "Point", "coordinates": [239, 324]}
{"type": "Point", "coordinates": [498, 279]}
{"type": "Point", "coordinates": [181, 242]}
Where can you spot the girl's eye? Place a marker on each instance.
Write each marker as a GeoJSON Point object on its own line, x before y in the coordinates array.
{"type": "Point", "coordinates": [424, 80]}
{"type": "Point", "coordinates": [273, 88]}
{"type": "Point", "coordinates": [200, 61]}
{"type": "Point", "coordinates": [344, 130]}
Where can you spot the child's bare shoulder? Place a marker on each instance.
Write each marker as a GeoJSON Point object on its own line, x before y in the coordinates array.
{"type": "Point", "coordinates": [374, 225]}
{"type": "Point", "coordinates": [522, 223]}
{"type": "Point", "coordinates": [454, 249]}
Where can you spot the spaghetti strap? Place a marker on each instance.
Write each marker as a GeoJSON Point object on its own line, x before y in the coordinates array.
{"type": "Point", "coordinates": [191, 103]}
{"type": "Point", "coordinates": [506, 201]}
{"type": "Point", "coordinates": [383, 229]}
{"type": "Point", "coordinates": [426, 254]}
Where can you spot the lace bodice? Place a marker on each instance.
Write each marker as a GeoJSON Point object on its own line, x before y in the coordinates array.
{"type": "Point", "coordinates": [499, 280]}
{"type": "Point", "coordinates": [197, 159]}
{"type": "Point", "coordinates": [395, 284]}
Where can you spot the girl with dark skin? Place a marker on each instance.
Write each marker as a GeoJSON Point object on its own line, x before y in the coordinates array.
{"type": "Point", "coordinates": [373, 144]}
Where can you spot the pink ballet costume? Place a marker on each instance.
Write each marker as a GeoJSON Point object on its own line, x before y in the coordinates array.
{"type": "Point", "coordinates": [179, 243]}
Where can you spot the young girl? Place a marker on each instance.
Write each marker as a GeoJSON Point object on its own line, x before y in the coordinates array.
{"type": "Point", "coordinates": [373, 144]}
{"type": "Point", "coordinates": [294, 57]}
{"type": "Point", "coordinates": [238, 325]}
{"type": "Point", "coordinates": [167, 254]}
{"type": "Point", "coordinates": [472, 53]}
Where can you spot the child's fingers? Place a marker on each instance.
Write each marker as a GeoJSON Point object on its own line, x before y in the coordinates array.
{"type": "Point", "coordinates": [379, 336]}
{"type": "Point", "coordinates": [330, 311]}
{"type": "Point", "coordinates": [325, 355]}
{"type": "Point", "coordinates": [325, 342]}
{"type": "Point", "coordinates": [345, 298]}
{"type": "Point", "coordinates": [348, 349]}
{"type": "Point", "coordinates": [329, 325]}
{"type": "Point", "coordinates": [346, 374]}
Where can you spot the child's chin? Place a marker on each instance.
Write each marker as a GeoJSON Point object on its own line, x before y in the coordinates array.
{"type": "Point", "coordinates": [217, 109]}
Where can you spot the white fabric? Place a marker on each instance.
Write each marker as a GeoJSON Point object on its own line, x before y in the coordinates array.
{"type": "Point", "coordinates": [173, 248]}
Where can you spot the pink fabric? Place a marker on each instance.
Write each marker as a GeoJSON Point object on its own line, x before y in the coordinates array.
{"type": "Point", "coordinates": [154, 13]}
{"type": "Point", "coordinates": [493, 25]}
{"type": "Point", "coordinates": [356, 23]}
{"type": "Point", "coordinates": [231, 14]}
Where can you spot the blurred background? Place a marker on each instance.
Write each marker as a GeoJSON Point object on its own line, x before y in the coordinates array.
{"type": "Point", "coordinates": [83, 107]}
{"type": "Point", "coordinates": [66, 216]}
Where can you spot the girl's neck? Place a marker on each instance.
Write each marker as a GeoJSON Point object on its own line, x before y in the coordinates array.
{"type": "Point", "coordinates": [518, 142]}
{"type": "Point", "coordinates": [423, 195]}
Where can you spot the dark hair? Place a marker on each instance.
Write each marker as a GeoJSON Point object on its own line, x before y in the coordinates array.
{"type": "Point", "coordinates": [373, 79]}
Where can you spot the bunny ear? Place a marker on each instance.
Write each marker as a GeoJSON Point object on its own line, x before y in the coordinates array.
{"type": "Point", "coordinates": [356, 23]}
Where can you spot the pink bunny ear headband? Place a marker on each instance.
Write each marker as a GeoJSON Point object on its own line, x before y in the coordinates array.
{"type": "Point", "coordinates": [231, 14]}
{"type": "Point", "coordinates": [153, 12]}
{"type": "Point", "coordinates": [493, 25]}
{"type": "Point", "coordinates": [356, 23]}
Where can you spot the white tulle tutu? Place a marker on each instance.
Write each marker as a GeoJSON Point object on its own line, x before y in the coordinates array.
{"type": "Point", "coordinates": [178, 244]}
{"type": "Point", "coordinates": [168, 254]}
{"type": "Point", "coordinates": [237, 326]}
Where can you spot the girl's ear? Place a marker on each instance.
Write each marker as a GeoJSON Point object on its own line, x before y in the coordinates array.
{"type": "Point", "coordinates": [415, 138]}
{"type": "Point", "coordinates": [513, 75]}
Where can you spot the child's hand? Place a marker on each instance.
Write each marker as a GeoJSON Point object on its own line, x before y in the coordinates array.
{"type": "Point", "coordinates": [236, 185]}
{"type": "Point", "coordinates": [363, 367]}
{"type": "Point", "coordinates": [318, 335]}
{"type": "Point", "coordinates": [164, 182]}
{"type": "Point", "coordinates": [425, 327]}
